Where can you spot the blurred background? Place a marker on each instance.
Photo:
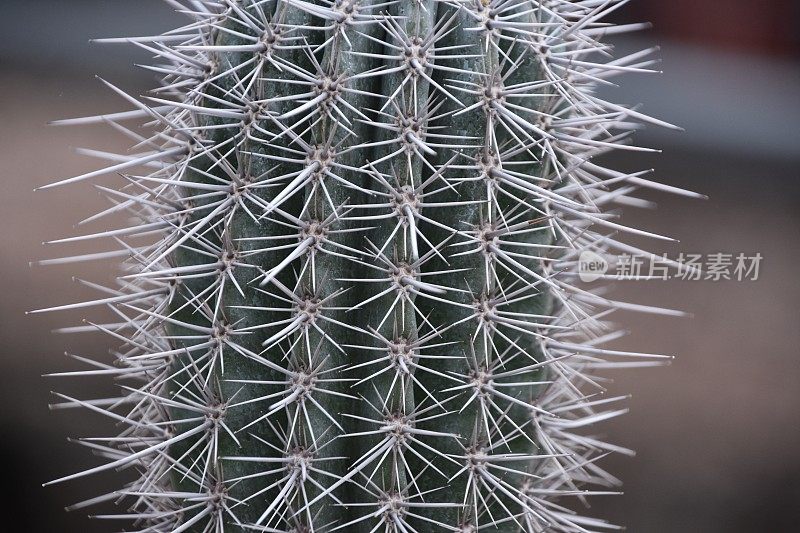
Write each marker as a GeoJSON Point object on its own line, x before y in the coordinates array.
{"type": "Point", "coordinates": [716, 432]}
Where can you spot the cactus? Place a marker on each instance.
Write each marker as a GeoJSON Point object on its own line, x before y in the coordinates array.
{"type": "Point", "coordinates": [350, 297]}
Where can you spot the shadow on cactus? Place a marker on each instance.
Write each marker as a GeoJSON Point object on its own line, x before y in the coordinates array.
{"type": "Point", "coordinates": [350, 298]}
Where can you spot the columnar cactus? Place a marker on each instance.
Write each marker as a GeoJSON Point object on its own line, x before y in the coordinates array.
{"type": "Point", "coordinates": [350, 297]}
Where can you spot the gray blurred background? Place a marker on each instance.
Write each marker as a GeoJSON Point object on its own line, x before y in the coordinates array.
{"type": "Point", "coordinates": [717, 432]}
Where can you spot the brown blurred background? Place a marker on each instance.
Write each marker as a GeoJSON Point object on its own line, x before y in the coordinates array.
{"type": "Point", "coordinates": [717, 432]}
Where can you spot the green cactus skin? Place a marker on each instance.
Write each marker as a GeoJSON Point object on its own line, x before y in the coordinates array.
{"type": "Point", "coordinates": [356, 308]}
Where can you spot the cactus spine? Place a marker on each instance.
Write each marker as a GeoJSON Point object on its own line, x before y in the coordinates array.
{"type": "Point", "coordinates": [356, 306]}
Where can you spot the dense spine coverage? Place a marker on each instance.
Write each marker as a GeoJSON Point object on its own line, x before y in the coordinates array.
{"type": "Point", "coordinates": [350, 299]}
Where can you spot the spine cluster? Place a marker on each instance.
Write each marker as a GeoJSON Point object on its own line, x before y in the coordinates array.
{"type": "Point", "coordinates": [350, 298]}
